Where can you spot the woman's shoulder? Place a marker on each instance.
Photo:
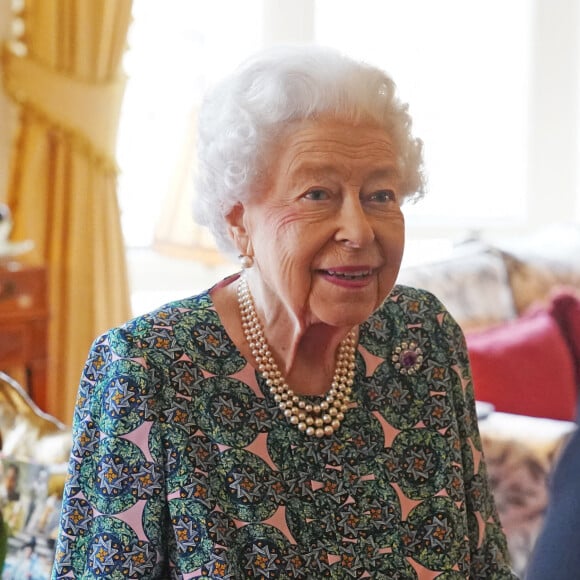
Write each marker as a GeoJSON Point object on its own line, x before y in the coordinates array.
{"type": "Point", "coordinates": [135, 361]}
{"type": "Point", "coordinates": [156, 339]}
{"type": "Point", "coordinates": [409, 309]}
{"type": "Point", "coordinates": [168, 316]}
{"type": "Point", "coordinates": [172, 312]}
{"type": "Point", "coordinates": [410, 301]}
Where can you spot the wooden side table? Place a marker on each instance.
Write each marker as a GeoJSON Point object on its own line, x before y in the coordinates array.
{"type": "Point", "coordinates": [24, 326]}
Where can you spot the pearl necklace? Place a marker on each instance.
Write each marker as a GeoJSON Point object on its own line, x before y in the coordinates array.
{"type": "Point", "coordinates": [313, 419]}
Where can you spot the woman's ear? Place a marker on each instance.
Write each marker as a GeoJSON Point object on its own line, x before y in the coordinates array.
{"type": "Point", "coordinates": [238, 230]}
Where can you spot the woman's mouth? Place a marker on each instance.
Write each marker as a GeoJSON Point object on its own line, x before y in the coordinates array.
{"type": "Point", "coordinates": [349, 277]}
{"type": "Point", "coordinates": [358, 275]}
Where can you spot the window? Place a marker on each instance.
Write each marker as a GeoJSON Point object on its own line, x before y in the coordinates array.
{"type": "Point", "coordinates": [462, 66]}
{"type": "Point", "coordinates": [469, 70]}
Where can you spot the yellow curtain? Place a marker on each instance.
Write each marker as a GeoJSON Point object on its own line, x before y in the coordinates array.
{"type": "Point", "coordinates": [66, 76]}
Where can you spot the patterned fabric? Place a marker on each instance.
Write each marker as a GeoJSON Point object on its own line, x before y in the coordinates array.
{"type": "Point", "coordinates": [473, 283]}
{"type": "Point", "coordinates": [539, 263]}
{"type": "Point", "coordinates": [521, 452]}
{"type": "Point", "coordinates": [183, 466]}
{"type": "Point", "coordinates": [533, 279]}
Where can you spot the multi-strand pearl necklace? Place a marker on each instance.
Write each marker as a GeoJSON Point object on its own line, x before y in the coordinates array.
{"type": "Point", "coordinates": [319, 419]}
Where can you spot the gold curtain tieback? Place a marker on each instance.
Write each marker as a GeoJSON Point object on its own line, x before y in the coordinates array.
{"type": "Point", "coordinates": [89, 110]}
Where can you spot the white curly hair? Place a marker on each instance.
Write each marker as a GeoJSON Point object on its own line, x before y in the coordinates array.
{"type": "Point", "coordinates": [247, 114]}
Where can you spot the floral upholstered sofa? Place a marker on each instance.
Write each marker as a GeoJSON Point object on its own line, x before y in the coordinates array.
{"type": "Point", "coordinates": [519, 304]}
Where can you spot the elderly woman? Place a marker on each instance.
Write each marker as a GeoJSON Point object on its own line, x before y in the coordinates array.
{"type": "Point", "coordinates": [306, 418]}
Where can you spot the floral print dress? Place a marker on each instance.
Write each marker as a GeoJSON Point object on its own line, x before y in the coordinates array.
{"type": "Point", "coordinates": [184, 467]}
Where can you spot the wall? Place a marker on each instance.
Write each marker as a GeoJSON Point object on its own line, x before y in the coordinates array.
{"type": "Point", "coordinates": [554, 140]}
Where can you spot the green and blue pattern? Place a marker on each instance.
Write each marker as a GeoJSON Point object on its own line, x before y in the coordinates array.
{"type": "Point", "coordinates": [183, 466]}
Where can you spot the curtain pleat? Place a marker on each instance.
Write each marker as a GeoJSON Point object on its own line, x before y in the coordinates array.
{"type": "Point", "coordinates": [62, 188]}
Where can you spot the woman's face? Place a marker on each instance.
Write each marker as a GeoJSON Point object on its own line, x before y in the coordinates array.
{"type": "Point", "coordinates": [327, 231]}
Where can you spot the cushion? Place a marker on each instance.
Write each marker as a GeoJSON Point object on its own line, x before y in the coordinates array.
{"type": "Point", "coordinates": [539, 262]}
{"type": "Point", "coordinates": [525, 367]}
{"type": "Point", "coordinates": [565, 308]}
{"type": "Point", "coordinates": [472, 283]}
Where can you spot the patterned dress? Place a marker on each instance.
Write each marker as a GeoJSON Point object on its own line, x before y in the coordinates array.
{"type": "Point", "coordinates": [183, 466]}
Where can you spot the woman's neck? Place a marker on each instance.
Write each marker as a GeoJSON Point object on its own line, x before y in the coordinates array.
{"type": "Point", "coordinates": [304, 353]}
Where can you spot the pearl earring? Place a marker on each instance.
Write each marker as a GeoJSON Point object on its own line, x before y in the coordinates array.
{"type": "Point", "coordinates": [246, 261]}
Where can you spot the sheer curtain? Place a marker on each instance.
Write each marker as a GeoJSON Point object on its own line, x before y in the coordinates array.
{"type": "Point", "coordinates": [196, 43]}
{"type": "Point", "coordinates": [65, 74]}
{"type": "Point", "coordinates": [176, 233]}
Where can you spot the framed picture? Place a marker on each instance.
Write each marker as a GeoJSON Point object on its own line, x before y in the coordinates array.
{"type": "Point", "coordinates": [30, 508]}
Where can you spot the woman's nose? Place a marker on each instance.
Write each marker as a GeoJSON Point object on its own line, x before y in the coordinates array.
{"type": "Point", "coordinates": [354, 226]}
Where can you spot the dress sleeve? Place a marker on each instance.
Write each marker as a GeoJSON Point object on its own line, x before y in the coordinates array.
{"type": "Point", "coordinates": [489, 551]}
{"type": "Point", "coordinates": [114, 508]}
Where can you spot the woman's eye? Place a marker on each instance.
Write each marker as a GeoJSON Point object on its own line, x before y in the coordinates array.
{"type": "Point", "coordinates": [383, 195]}
{"type": "Point", "coordinates": [316, 194]}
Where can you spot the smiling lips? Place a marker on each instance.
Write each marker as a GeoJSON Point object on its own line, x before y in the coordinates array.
{"type": "Point", "coordinates": [349, 275]}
